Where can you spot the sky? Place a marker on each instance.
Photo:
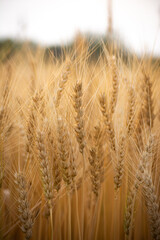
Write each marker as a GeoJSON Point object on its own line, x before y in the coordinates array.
{"type": "Point", "coordinates": [136, 22]}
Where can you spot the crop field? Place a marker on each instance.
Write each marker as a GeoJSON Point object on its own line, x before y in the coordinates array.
{"type": "Point", "coordinates": [79, 146]}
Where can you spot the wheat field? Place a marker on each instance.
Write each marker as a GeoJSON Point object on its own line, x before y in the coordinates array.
{"type": "Point", "coordinates": [79, 146]}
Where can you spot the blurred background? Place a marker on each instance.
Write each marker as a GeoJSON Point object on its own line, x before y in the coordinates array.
{"type": "Point", "coordinates": [136, 23]}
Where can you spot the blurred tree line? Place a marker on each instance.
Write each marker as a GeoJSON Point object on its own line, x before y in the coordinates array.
{"type": "Point", "coordinates": [90, 45]}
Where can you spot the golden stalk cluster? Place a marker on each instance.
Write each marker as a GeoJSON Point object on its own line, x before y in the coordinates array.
{"type": "Point", "coordinates": [77, 138]}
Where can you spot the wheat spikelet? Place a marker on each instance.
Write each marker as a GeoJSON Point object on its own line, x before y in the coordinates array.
{"type": "Point", "coordinates": [139, 129]}
{"type": "Point", "coordinates": [107, 121]}
{"type": "Point", "coordinates": [131, 110]}
{"type": "Point", "coordinates": [31, 130]}
{"type": "Point", "coordinates": [146, 156]}
{"type": "Point", "coordinates": [37, 106]}
{"type": "Point", "coordinates": [56, 166]}
{"type": "Point", "coordinates": [25, 215]}
{"type": "Point", "coordinates": [30, 133]}
{"type": "Point", "coordinates": [114, 96]}
{"type": "Point", "coordinates": [45, 169]}
{"type": "Point", "coordinates": [148, 105]}
{"type": "Point", "coordinates": [73, 166]}
{"type": "Point", "coordinates": [62, 83]}
{"type": "Point", "coordinates": [56, 172]}
{"type": "Point", "coordinates": [129, 210]}
{"type": "Point", "coordinates": [96, 161]}
{"type": "Point", "coordinates": [79, 129]}
{"type": "Point", "coordinates": [54, 159]}
{"type": "Point", "coordinates": [64, 151]}
{"type": "Point", "coordinates": [39, 103]}
{"type": "Point", "coordinates": [119, 169]}
{"type": "Point", "coordinates": [152, 205]}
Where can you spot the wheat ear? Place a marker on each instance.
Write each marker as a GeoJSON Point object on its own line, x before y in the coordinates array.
{"type": "Point", "coordinates": [152, 206]}
{"type": "Point", "coordinates": [107, 121]}
{"type": "Point", "coordinates": [119, 169]}
{"type": "Point", "coordinates": [45, 169]}
{"type": "Point", "coordinates": [79, 129]}
{"type": "Point", "coordinates": [57, 176]}
{"type": "Point", "coordinates": [96, 161]}
{"type": "Point", "coordinates": [131, 111]}
{"type": "Point", "coordinates": [148, 105]}
{"type": "Point", "coordinates": [62, 83]}
{"type": "Point", "coordinates": [46, 175]}
{"type": "Point", "coordinates": [25, 215]}
{"type": "Point", "coordinates": [80, 135]}
{"type": "Point", "coordinates": [64, 151]}
{"type": "Point", "coordinates": [146, 156]}
{"type": "Point", "coordinates": [114, 96]}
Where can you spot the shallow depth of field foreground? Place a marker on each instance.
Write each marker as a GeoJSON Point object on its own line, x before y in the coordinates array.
{"type": "Point", "coordinates": [79, 147]}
